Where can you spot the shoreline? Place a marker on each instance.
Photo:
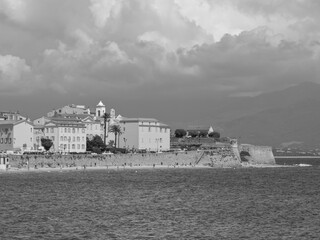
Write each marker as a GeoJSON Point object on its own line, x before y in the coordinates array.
{"type": "Point", "coordinates": [142, 167]}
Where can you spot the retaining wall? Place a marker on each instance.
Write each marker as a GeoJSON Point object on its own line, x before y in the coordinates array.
{"type": "Point", "coordinates": [258, 154]}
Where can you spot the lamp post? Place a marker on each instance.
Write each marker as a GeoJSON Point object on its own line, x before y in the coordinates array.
{"type": "Point", "coordinates": [125, 141]}
{"type": "Point", "coordinates": [157, 140]}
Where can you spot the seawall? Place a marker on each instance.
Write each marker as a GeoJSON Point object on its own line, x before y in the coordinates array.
{"type": "Point", "coordinates": [146, 159]}
{"type": "Point", "coordinates": [258, 154]}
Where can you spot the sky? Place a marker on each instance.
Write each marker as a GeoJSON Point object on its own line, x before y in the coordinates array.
{"type": "Point", "coordinates": [167, 59]}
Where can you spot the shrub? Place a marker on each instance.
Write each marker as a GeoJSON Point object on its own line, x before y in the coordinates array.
{"type": "Point", "coordinates": [179, 133]}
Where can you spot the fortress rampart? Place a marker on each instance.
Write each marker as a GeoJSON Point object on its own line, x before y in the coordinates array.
{"type": "Point", "coordinates": [224, 156]}
{"type": "Point", "coordinates": [258, 154]}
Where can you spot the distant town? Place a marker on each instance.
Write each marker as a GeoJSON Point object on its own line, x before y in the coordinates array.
{"type": "Point", "coordinates": [69, 128]}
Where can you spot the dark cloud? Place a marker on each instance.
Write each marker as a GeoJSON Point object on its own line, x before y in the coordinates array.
{"type": "Point", "coordinates": [167, 58]}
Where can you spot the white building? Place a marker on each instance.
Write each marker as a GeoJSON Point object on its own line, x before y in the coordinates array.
{"type": "Point", "coordinates": [144, 133]}
{"type": "Point", "coordinates": [66, 135]}
{"type": "Point", "coordinates": [69, 109]}
{"type": "Point", "coordinates": [16, 135]}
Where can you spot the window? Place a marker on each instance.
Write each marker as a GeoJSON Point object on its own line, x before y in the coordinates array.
{"type": "Point", "coordinates": [73, 130]}
{"type": "Point", "coordinates": [30, 139]}
{"type": "Point", "coordinates": [47, 130]}
{"type": "Point", "coordinates": [52, 130]}
{"type": "Point", "coordinates": [73, 146]}
{"type": "Point", "coordinates": [149, 129]}
{"type": "Point", "coordinates": [78, 146]}
{"type": "Point", "coordinates": [124, 128]}
{"type": "Point", "coordinates": [83, 130]}
{"type": "Point", "coordinates": [1, 140]}
{"type": "Point", "coordinates": [9, 140]}
{"type": "Point", "coordinates": [160, 140]}
{"type": "Point", "coordinates": [82, 138]}
{"type": "Point", "coordinates": [65, 130]}
{"type": "Point", "coordinates": [69, 130]}
{"type": "Point", "coordinates": [65, 138]}
{"type": "Point", "coordinates": [52, 138]}
{"type": "Point", "coordinates": [61, 138]}
{"type": "Point", "coordinates": [74, 139]}
{"type": "Point", "coordinates": [78, 139]}
{"type": "Point", "coordinates": [30, 129]}
{"type": "Point", "coordinates": [83, 146]}
{"type": "Point", "coordinates": [77, 130]}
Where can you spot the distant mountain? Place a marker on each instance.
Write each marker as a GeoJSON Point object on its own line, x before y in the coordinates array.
{"type": "Point", "coordinates": [238, 107]}
{"type": "Point", "coordinates": [281, 117]}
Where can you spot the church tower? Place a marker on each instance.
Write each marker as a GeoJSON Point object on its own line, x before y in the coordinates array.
{"type": "Point", "coordinates": [100, 109]}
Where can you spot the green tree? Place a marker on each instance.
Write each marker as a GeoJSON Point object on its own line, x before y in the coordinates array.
{"type": "Point", "coordinates": [95, 144]}
{"type": "Point", "coordinates": [116, 129]}
{"type": "Point", "coordinates": [193, 133]}
{"type": "Point", "coordinates": [215, 135]}
{"type": "Point", "coordinates": [46, 143]}
{"type": "Point", "coordinates": [180, 133]}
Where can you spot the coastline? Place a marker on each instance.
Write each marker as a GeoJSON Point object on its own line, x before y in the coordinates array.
{"type": "Point", "coordinates": [142, 167]}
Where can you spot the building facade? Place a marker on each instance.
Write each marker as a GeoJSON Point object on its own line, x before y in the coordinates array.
{"type": "Point", "coordinates": [11, 116]}
{"type": "Point", "coordinates": [69, 109]}
{"type": "Point", "coordinates": [67, 136]}
{"type": "Point", "coordinates": [144, 134]}
{"type": "Point", "coordinates": [16, 135]}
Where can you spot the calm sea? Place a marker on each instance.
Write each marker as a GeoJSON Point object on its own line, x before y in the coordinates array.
{"type": "Point", "coordinates": [269, 203]}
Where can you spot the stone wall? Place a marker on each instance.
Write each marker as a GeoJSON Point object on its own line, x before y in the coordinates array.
{"type": "Point", "coordinates": [147, 159]}
{"type": "Point", "coordinates": [258, 154]}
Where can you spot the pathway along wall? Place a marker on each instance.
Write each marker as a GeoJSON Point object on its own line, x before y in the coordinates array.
{"type": "Point", "coordinates": [188, 158]}
{"type": "Point", "coordinates": [258, 154]}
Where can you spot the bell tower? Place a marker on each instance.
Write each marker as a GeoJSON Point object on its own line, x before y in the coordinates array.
{"type": "Point", "coordinates": [100, 109]}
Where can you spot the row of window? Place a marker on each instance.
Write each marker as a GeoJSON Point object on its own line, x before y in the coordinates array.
{"type": "Point", "coordinates": [150, 129]}
{"type": "Point", "coordinates": [90, 127]}
{"type": "Point", "coordinates": [5, 140]}
{"type": "Point", "coordinates": [66, 130]}
{"type": "Point", "coordinates": [157, 140]}
{"type": "Point", "coordinates": [78, 139]}
{"type": "Point", "coordinates": [73, 146]}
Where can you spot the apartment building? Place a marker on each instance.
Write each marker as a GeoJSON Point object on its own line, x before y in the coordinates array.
{"type": "Point", "coordinates": [144, 133]}
{"type": "Point", "coordinates": [16, 135]}
{"type": "Point", "coordinates": [66, 135]}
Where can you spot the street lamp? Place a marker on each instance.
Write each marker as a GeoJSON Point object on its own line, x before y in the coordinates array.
{"type": "Point", "coordinates": [125, 141]}
{"type": "Point", "coordinates": [157, 140]}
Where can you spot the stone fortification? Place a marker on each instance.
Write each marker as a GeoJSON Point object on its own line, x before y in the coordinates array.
{"type": "Point", "coordinates": [223, 156]}
{"type": "Point", "coordinates": [188, 158]}
{"type": "Point", "coordinates": [147, 159]}
{"type": "Point", "coordinates": [257, 154]}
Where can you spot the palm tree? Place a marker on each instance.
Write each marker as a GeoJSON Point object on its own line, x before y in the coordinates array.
{"type": "Point", "coordinates": [116, 129]}
{"type": "Point", "coordinates": [106, 118]}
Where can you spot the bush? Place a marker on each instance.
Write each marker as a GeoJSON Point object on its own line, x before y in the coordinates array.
{"type": "Point", "coordinates": [180, 133]}
{"type": "Point", "coordinates": [215, 135]}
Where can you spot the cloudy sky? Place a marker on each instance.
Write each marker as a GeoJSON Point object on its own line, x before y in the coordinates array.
{"type": "Point", "coordinates": [153, 58]}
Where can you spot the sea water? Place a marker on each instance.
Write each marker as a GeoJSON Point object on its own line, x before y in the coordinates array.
{"type": "Point", "coordinates": [252, 203]}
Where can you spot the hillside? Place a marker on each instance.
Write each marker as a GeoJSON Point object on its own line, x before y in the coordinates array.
{"type": "Point", "coordinates": [298, 122]}
{"type": "Point", "coordinates": [235, 108]}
